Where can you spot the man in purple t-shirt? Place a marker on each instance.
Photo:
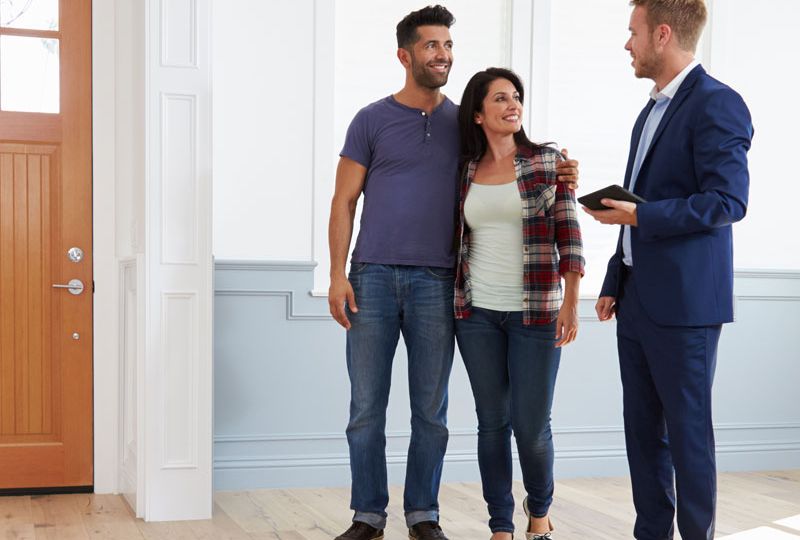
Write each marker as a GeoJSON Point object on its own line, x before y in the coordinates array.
{"type": "Point", "coordinates": [402, 153]}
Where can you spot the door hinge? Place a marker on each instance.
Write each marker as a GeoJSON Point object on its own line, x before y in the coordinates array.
{"type": "Point", "coordinates": [92, 286]}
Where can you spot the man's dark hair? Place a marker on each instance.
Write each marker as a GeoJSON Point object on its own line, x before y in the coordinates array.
{"type": "Point", "coordinates": [436, 15]}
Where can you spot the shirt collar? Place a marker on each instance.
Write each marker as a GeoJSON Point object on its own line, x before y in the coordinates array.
{"type": "Point", "coordinates": [671, 88]}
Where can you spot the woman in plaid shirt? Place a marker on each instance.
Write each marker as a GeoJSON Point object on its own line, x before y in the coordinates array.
{"type": "Point", "coordinates": [519, 235]}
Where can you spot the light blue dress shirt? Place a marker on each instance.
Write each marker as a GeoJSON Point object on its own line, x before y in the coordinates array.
{"type": "Point", "coordinates": [662, 100]}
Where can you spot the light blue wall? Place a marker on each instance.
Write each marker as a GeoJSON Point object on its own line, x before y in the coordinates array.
{"type": "Point", "coordinates": [281, 391]}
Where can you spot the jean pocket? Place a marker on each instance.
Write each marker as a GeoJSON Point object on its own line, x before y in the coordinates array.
{"type": "Point", "coordinates": [441, 272]}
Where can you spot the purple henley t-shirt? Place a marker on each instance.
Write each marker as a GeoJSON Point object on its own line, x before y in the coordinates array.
{"type": "Point", "coordinates": [411, 188]}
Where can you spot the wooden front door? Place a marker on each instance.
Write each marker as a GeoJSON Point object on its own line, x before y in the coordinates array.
{"type": "Point", "coordinates": [45, 211]}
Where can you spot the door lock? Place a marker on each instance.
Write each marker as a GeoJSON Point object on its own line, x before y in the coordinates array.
{"type": "Point", "coordinates": [75, 254]}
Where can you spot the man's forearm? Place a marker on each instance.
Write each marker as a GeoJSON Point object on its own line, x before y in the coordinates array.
{"type": "Point", "coordinates": [340, 232]}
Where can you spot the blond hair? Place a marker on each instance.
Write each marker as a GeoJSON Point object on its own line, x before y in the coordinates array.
{"type": "Point", "coordinates": [686, 18]}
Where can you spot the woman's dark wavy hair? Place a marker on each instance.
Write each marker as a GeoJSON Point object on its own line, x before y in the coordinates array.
{"type": "Point", "coordinates": [473, 140]}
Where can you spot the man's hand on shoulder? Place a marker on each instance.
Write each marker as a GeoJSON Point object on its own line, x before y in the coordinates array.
{"type": "Point", "coordinates": [619, 213]}
{"type": "Point", "coordinates": [341, 291]}
{"type": "Point", "coordinates": [567, 170]}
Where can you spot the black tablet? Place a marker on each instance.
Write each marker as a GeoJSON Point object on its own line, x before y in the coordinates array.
{"type": "Point", "coordinates": [619, 193]}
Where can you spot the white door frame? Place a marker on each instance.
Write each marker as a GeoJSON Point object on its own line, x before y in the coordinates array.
{"type": "Point", "coordinates": [151, 114]}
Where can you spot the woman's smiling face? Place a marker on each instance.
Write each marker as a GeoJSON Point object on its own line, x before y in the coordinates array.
{"type": "Point", "coordinates": [501, 109]}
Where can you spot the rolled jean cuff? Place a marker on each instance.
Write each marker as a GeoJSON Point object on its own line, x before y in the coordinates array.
{"type": "Point", "coordinates": [370, 518]}
{"type": "Point", "coordinates": [418, 516]}
{"type": "Point", "coordinates": [537, 512]}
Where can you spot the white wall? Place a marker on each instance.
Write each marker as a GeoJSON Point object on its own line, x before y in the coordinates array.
{"type": "Point", "coordinates": [263, 57]}
{"type": "Point", "coordinates": [753, 49]}
{"type": "Point", "coordinates": [272, 177]}
{"type": "Point", "coordinates": [276, 141]}
{"type": "Point", "coordinates": [591, 102]}
{"type": "Point", "coordinates": [367, 68]}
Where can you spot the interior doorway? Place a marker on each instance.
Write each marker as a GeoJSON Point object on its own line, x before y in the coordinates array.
{"type": "Point", "coordinates": [46, 282]}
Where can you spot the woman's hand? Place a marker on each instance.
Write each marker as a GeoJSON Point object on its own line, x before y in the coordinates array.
{"type": "Point", "coordinates": [567, 324]}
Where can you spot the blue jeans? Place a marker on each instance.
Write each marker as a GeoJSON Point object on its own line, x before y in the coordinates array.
{"type": "Point", "coordinates": [417, 301]}
{"type": "Point", "coordinates": [512, 369]}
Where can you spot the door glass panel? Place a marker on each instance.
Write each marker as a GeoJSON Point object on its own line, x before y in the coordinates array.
{"type": "Point", "coordinates": [29, 80]}
{"type": "Point", "coordinates": [31, 14]}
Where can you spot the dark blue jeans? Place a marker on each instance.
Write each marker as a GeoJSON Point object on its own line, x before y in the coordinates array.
{"type": "Point", "coordinates": [417, 302]}
{"type": "Point", "coordinates": [512, 369]}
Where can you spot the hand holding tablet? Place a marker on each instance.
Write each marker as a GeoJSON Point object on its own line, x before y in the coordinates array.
{"type": "Point", "coordinates": [619, 193]}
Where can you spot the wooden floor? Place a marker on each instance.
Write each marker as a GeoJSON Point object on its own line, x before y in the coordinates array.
{"type": "Point", "coordinates": [584, 509]}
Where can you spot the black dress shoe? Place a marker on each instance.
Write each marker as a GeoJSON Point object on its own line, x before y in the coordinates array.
{"type": "Point", "coordinates": [426, 530]}
{"type": "Point", "coordinates": [361, 531]}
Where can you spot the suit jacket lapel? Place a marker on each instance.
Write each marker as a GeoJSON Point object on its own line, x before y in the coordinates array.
{"type": "Point", "coordinates": [635, 137]}
{"type": "Point", "coordinates": [680, 96]}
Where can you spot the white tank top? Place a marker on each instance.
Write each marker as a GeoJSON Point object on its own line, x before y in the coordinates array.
{"type": "Point", "coordinates": [494, 216]}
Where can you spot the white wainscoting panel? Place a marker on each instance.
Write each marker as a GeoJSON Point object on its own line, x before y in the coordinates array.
{"type": "Point", "coordinates": [179, 39]}
{"type": "Point", "coordinates": [275, 345]}
{"type": "Point", "coordinates": [180, 380]}
{"type": "Point", "coordinates": [179, 190]}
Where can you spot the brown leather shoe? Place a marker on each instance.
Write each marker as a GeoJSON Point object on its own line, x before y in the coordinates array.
{"type": "Point", "coordinates": [426, 530]}
{"type": "Point", "coordinates": [361, 531]}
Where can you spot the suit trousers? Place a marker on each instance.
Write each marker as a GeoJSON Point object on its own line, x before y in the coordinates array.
{"type": "Point", "coordinates": [667, 373]}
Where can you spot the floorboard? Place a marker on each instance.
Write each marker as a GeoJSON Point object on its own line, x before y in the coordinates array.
{"type": "Point", "coordinates": [751, 506]}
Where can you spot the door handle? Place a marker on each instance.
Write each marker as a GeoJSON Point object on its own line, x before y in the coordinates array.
{"type": "Point", "coordinates": [75, 286]}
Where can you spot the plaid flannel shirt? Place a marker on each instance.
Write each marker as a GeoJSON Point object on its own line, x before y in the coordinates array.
{"type": "Point", "coordinates": [551, 236]}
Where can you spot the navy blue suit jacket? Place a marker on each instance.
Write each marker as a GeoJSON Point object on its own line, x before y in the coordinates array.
{"type": "Point", "coordinates": [695, 180]}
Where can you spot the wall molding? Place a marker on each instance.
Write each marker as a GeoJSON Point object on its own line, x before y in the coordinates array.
{"type": "Point", "coordinates": [756, 273]}
{"type": "Point", "coordinates": [178, 179]}
{"type": "Point", "coordinates": [192, 37]}
{"type": "Point", "coordinates": [180, 394]}
{"type": "Point", "coordinates": [305, 266]}
{"type": "Point", "coordinates": [294, 313]}
{"type": "Point", "coordinates": [577, 430]}
{"type": "Point", "coordinates": [265, 266]}
{"type": "Point", "coordinates": [291, 314]}
{"type": "Point", "coordinates": [768, 298]}
{"type": "Point", "coordinates": [465, 456]}
{"type": "Point", "coordinates": [562, 453]}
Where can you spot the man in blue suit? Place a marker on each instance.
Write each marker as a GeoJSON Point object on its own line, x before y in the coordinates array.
{"type": "Point", "coordinates": [670, 281]}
